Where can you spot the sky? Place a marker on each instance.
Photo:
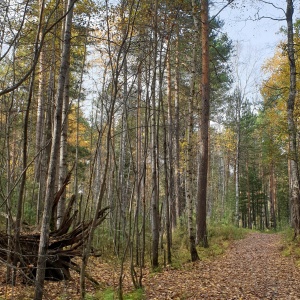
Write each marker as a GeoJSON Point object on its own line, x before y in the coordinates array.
{"type": "Point", "coordinates": [255, 40]}
{"type": "Point", "coordinates": [255, 35]}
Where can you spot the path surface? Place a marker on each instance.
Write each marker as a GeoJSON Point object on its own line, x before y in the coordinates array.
{"type": "Point", "coordinates": [253, 268]}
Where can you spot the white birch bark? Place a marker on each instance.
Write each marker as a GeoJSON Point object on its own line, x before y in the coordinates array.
{"type": "Point", "coordinates": [45, 229]}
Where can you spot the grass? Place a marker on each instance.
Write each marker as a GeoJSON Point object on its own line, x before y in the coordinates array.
{"type": "Point", "coordinates": [111, 294]}
{"type": "Point", "coordinates": [219, 238]}
{"type": "Point", "coordinates": [291, 246]}
{"type": "Point", "coordinates": [227, 232]}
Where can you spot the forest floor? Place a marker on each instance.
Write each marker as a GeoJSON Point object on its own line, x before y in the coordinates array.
{"type": "Point", "coordinates": [251, 268]}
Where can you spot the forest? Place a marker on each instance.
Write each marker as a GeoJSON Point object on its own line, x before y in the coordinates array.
{"type": "Point", "coordinates": [128, 133]}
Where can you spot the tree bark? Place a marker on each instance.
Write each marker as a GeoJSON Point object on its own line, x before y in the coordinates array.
{"type": "Point", "coordinates": [237, 160]}
{"type": "Point", "coordinates": [201, 233]}
{"type": "Point", "coordinates": [171, 189]}
{"type": "Point", "coordinates": [272, 191]}
{"type": "Point", "coordinates": [154, 198]}
{"type": "Point", "coordinates": [293, 155]}
{"type": "Point", "coordinates": [178, 198]}
{"type": "Point", "coordinates": [63, 165]}
{"type": "Point", "coordinates": [44, 239]}
{"type": "Point", "coordinates": [188, 184]}
{"type": "Point", "coordinates": [249, 219]}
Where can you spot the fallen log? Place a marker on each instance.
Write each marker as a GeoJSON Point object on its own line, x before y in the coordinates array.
{"type": "Point", "coordinates": [65, 243]}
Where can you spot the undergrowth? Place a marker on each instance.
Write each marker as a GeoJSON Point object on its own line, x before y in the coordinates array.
{"type": "Point", "coordinates": [291, 246]}
{"type": "Point", "coordinates": [219, 238]}
{"type": "Point", "coordinates": [110, 294]}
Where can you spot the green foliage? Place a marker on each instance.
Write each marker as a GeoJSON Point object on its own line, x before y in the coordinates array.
{"type": "Point", "coordinates": [107, 294]}
{"type": "Point", "coordinates": [226, 232]}
{"type": "Point", "coordinates": [219, 235]}
{"type": "Point", "coordinates": [135, 295]}
{"type": "Point", "coordinates": [180, 246]}
{"type": "Point", "coordinates": [290, 246]}
{"type": "Point", "coordinates": [110, 294]}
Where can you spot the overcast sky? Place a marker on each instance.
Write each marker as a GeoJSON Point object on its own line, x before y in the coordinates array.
{"type": "Point", "coordinates": [248, 23]}
{"type": "Point", "coordinates": [241, 23]}
{"type": "Point", "coordinates": [256, 39]}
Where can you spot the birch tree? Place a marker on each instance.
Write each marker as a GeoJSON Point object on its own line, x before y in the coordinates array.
{"type": "Point", "coordinates": [56, 136]}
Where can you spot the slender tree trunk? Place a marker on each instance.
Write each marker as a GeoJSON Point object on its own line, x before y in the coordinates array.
{"type": "Point", "coordinates": [66, 104]}
{"type": "Point", "coordinates": [188, 184]}
{"type": "Point", "coordinates": [222, 188]}
{"type": "Point", "coordinates": [154, 198]}
{"type": "Point", "coordinates": [178, 199]}
{"type": "Point", "coordinates": [8, 186]}
{"type": "Point", "coordinates": [17, 249]}
{"type": "Point", "coordinates": [44, 239]}
{"type": "Point", "coordinates": [40, 111]}
{"type": "Point", "coordinates": [147, 142]}
{"type": "Point", "coordinates": [63, 165]}
{"type": "Point", "coordinates": [272, 191]}
{"type": "Point", "coordinates": [25, 151]}
{"type": "Point", "coordinates": [139, 171]}
{"type": "Point", "coordinates": [237, 161]}
{"type": "Point", "coordinates": [170, 140]}
{"type": "Point", "coordinates": [248, 197]}
{"type": "Point", "coordinates": [45, 140]}
{"type": "Point", "coordinates": [169, 205]}
{"type": "Point", "coordinates": [201, 233]}
{"type": "Point", "coordinates": [293, 157]}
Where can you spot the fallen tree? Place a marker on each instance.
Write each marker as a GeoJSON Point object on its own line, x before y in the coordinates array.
{"type": "Point", "coordinates": [65, 243]}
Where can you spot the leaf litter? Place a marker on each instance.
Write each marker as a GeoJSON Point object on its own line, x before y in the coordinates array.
{"type": "Point", "coordinates": [252, 268]}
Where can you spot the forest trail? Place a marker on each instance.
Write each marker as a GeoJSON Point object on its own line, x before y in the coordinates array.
{"type": "Point", "coordinates": [253, 268]}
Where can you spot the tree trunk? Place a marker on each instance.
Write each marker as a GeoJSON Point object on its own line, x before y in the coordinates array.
{"type": "Point", "coordinates": [63, 165]}
{"type": "Point", "coordinates": [170, 140]}
{"type": "Point", "coordinates": [8, 120]}
{"type": "Point", "coordinates": [169, 205]}
{"type": "Point", "coordinates": [154, 198]}
{"type": "Point", "coordinates": [201, 233]}
{"type": "Point", "coordinates": [188, 184]}
{"type": "Point", "coordinates": [25, 149]}
{"type": "Point", "coordinates": [237, 160]}
{"type": "Point", "coordinates": [249, 223]}
{"type": "Point", "coordinates": [272, 191]}
{"type": "Point", "coordinates": [45, 147]}
{"type": "Point", "coordinates": [139, 172]}
{"type": "Point", "coordinates": [293, 156]}
{"type": "Point", "coordinates": [178, 198]}
{"type": "Point", "coordinates": [44, 239]}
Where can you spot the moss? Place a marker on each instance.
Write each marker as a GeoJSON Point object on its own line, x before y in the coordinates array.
{"type": "Point", "coordinates": [110, 294]}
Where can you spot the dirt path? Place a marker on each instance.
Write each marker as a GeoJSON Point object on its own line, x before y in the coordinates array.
{"type": "Point", "coordinates": [252, 269]}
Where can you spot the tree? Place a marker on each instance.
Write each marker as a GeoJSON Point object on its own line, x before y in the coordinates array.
{"type": "Point", "coordinates": [201, 230]}
{"type": "Point", "coordinates": [44, 239]}
{"type": "Point", "coordinates": [155, 195]}
{"type": "Point", "coordinates": [293, 156]}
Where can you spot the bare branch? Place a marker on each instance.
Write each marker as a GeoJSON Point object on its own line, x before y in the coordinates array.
{"type": "Point", "coordinates": [275, 6]}
{"type": "Point", "coordinates": [36, 56]}
{"type": "Point", "coordinates": [229, 2]}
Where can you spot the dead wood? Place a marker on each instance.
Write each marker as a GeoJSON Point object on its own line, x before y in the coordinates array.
{"type": "Point", "coordinates": [65, 243]}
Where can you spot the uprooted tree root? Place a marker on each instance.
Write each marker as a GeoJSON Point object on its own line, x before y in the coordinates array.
{"type": "Point", "coordinates": [65, 243]}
